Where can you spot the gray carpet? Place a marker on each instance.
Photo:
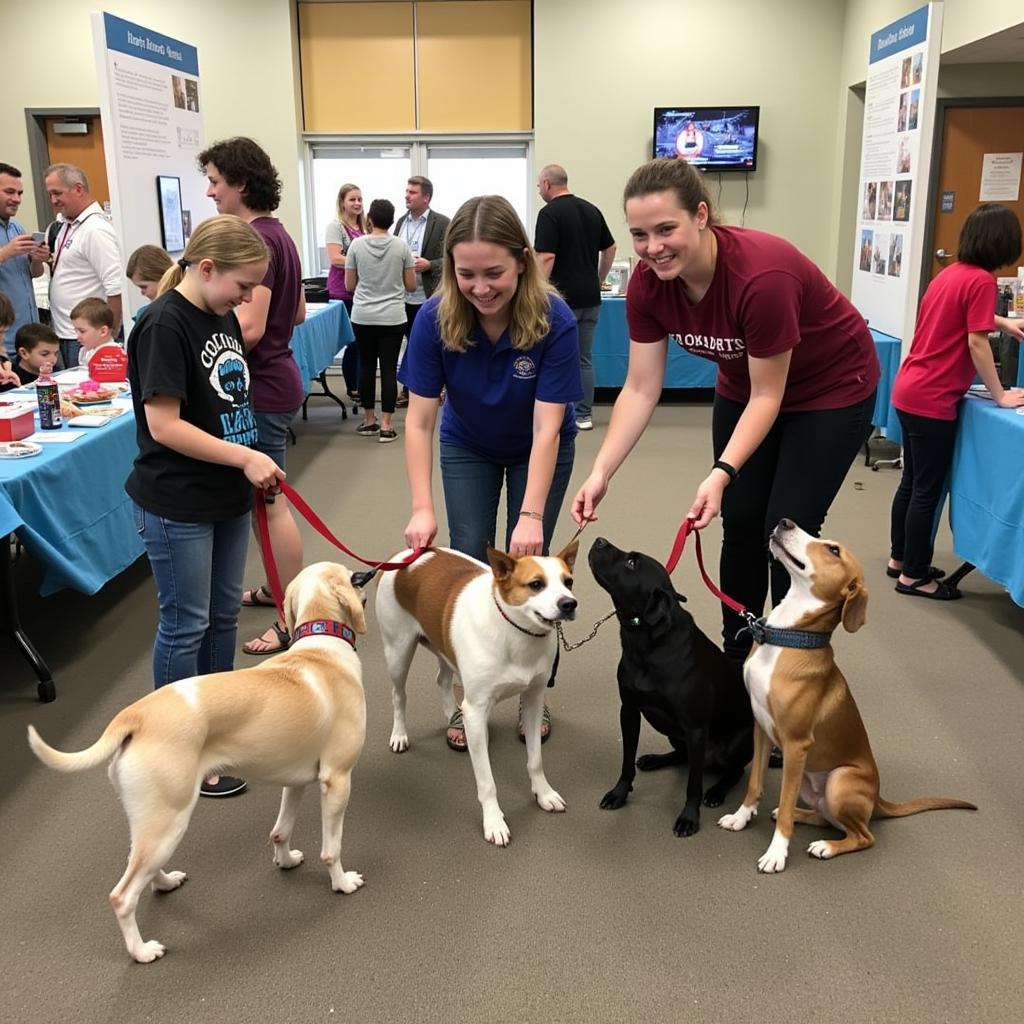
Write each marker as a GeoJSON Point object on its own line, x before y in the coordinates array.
{"type": "Point", "coordinates": [588, 916]}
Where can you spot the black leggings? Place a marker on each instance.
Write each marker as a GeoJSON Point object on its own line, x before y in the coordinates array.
{"type": "Point", "coordinates": [383, 342]}
{"type": "Point", "coordinates": [927, 456]}
{"type": "Point", "coordinates": [795, 474]}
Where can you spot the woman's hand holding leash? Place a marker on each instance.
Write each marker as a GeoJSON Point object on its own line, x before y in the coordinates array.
{"type": "Point", "coordinates": [588, 497]}
{"type": "Point", "coordinates": [708, 502]}
{"type": "Point", "coordinates": [261, 470]}
{"type": "Point", "coordinates": [422, 529]}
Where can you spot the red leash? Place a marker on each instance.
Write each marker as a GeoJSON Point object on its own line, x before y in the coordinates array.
{"type": "Point", "coordinates": [273, 578]}
{"type": "Point", "coordinates": [685, 529]}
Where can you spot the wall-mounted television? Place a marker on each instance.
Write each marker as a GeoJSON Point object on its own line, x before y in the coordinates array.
{"type": "Point", "coordinates": [711, 138]}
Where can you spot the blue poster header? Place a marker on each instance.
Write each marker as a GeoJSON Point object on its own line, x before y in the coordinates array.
{"type": "Point", "coordinates": [137, 41]}
{"type": "Point", "coordinates": [900, 35]}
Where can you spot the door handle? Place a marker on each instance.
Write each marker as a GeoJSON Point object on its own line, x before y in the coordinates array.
{"type": "Point", "coordinates": [941, 254]}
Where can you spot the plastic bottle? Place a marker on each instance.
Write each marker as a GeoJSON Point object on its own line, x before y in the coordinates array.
{"type": "Point", "coordinates": [48, 397]}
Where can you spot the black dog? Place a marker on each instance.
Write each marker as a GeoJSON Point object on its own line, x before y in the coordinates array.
{"type": "Point", "coordinates": [680, 681]}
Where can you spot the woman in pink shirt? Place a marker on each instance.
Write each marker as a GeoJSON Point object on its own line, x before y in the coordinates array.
{"type": "Point", "coordinates": [950, 346]}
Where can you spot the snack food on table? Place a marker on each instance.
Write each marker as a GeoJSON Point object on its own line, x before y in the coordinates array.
{"type": "Point", "coordinates": [91, 393]}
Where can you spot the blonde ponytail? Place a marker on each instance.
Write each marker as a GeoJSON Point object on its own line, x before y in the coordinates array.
{"type": "Point", "coordinates": [228, 241]}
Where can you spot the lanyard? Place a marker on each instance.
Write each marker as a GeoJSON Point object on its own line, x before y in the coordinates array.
{"type": "Point", "coordinates": [65, 240]}
{"type": "Point", "coordinates": [417, 233]}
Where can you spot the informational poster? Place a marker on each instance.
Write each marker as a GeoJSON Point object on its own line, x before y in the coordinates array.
{"type": "Point", "coordinates": [1000, 177]}
{"type": "Point", "coordinates": [151, 109]}
{"type": "Point", "coordinates": [899, 115]}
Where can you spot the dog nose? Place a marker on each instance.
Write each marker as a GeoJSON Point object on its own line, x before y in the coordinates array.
{"type": "Point", "coordinates": [787, 524]}
{"type": "Point", "coordinates": [567, 605]}
{"type": "Point", "coordinates": [600, 542]}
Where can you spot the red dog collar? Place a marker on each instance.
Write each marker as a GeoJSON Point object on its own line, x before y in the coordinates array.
{"type": "Point", "coordinates": [325, 627]}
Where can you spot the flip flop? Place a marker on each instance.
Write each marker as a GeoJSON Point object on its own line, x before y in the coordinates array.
{"type": "Point", "coordinates": [545, 725]}
{"type": "Point", "coordinates": [455, 722]}
{"type": "Point", "coordinates": [282, 637]}
{"type": "Point", "coordinates": [258, 597]}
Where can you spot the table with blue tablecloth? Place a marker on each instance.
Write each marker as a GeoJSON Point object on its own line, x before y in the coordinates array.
{"type": "Point", "coordinates": [986, 499]}
{"type": "Point", "coordinates": [319, 338]}
{"type": "Point", "coordinates": [884, 417]}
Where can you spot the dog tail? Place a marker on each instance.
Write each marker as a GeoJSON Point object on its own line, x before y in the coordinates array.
{"type": "Point", "coordinates": [885, 809]}
{"type": "Point", "coordinates": [115, 734]}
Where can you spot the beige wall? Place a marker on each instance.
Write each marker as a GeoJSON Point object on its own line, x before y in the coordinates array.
{"type": "Point", "coordinates": [244, 91]}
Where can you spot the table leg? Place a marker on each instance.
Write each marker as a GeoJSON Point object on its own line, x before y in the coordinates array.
{"type": "Point", "coordinates": [12, 625]}
{"type": "Point", "coordinates": [954, 578]}
{"type": "Point", "coordinates": [325, 393]}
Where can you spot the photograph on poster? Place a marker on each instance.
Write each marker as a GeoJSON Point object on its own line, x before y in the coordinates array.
{"type": "Point", "coordinates": [171, 225]}
{"type": "Point", "coordinates": [178, 91]}
{"type": "Point", "coordinates": [903, 155]}
{"type": "Point", "coordinates": [901, 201]}
{"type": "Point", "coordinates": [895, 255]}
{"type": "Point", "coordinates": [870, 200]}
{"type": "Point", "coordinates": [905, 73]}
{"type": "Point", "coordinates": [878, 256]}
{"type": "Point", "coordinates": [918, 68]}
{"type": "Point", "coordinates": [901, 119]}
{"type": "Point", "coordinates": [915, 103]}
{"type": "Point", "coordinates": [866, 238]}
{"type": "Point", "coordinates": [186, 224]}
{"type": "Point", "coordinates": [885, 189]}
{"type": "Point", "coordinates": [192, 95]}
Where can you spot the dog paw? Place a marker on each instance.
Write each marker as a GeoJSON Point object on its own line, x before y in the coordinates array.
{"type": "Point", "coordinates": [773, 860]}
{"type": "Point", "coordinates": [652, 762]}
{"type": "Point", "coordinates": [348, 882]}
{"type": "Point", "coordinates": [399, 742]}
{"type": "Point", "coordinates": [738, 820]}
{"type": "Point", "coordinates": [497, 832]}
{"type": "Point", "coordinates": [168, 881]}
{"type": "Point", "coordinates": [286, 859]}
{"type": "Point", "coordinates": [821, 848]}
{"type": "Point", "coordinates": [686, 826]}
{"type": "Point", "coordinates": [148, 952]}
{"type": "Point", "coordinates": [714, 797]}
{"type": "Point", "coordinates": [551, 801]}
{"type": "Point", "coordinates": [615, 798]}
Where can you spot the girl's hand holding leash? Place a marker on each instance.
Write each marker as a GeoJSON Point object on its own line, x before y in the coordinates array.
{"type": "Point", "coordinates": [422, 529]}
{"type": "Point", "coordinates": [588, 497]}
{"type": "Point", "coordinates": [261, 470]}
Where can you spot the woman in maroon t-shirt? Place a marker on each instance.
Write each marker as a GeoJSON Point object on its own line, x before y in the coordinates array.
{"type": "Point", "coordinates": [950, 344]}
{"type": "Point", "coordinates": [797, 373]}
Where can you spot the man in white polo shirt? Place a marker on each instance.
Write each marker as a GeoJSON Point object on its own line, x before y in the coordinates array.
{"type": "Point", "coordinates": [86, 257]}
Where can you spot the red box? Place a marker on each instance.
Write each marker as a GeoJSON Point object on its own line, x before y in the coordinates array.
{"type": "Point", "coordinates": [109, 365]}
{"type": "Point", "coordinates": [16, 424]}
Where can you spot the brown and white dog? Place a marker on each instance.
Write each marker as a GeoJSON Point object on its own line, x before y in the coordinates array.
{"type": "Point", "coordinates": [297, 718]}
{"type": "Point", "coordinates": [802, 704]}
{"type": "Point", "coordinates": [493, 627]}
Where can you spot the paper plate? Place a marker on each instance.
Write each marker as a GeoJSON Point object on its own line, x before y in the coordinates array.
{"type": "Point", "coordinates": [19, 449]}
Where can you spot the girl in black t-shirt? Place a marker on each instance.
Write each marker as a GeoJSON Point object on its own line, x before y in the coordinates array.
{"type": "Point", "coordinates": [193, 478]}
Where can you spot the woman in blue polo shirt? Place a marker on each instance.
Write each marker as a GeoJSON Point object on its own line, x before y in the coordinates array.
{"type": "Point", "coordinates": [504, 348]}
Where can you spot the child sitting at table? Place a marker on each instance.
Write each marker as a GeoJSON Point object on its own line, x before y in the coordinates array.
{"type": "Point", "coordinates": [37, 346]}
{"type": "Point", "coordinates": [8, 378]}
{"type": "Point", "coordinates": [93, 321]}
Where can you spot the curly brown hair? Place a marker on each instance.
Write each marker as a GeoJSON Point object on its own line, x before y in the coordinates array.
{"type": "Point", "coordinates": [244, 164]}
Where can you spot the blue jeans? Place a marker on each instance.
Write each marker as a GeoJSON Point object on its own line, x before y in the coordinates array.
{"type": "Point", "coordinates": [472, 487]}
{"type": "Point", "coordinates": [272, 434]}
{"type": "Point", "coordinates": [198, 568]}
{"type": "Point", "coordinates": [586, 322]}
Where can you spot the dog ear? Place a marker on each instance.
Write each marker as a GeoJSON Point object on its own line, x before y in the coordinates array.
{"type": "Point", "coordinates": [659, 602]}
{"type": "Point", "coordinates": [679, 597]}
{"type": "Point", "coordinates": [569, 552]}
{"type": "Point", "coordinates": [502, 565]}
{"type": "Point", "coordinates": [855, 607]}
{"type": "Point", "coordinates": [289, 606]}
{"type": "Point", "coordinates": [349, 599]}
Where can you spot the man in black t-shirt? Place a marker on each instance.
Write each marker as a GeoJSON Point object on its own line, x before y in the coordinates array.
{"type": "Point", "coordinates": [575, 250]}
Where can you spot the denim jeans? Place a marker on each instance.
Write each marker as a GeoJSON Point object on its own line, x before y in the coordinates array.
{"type": "Point", "coordinates": [472, 487]}
{"type": "Point", "coordinates": [198, 568]}
{"type": "Point", "coordinates": [586, 322]}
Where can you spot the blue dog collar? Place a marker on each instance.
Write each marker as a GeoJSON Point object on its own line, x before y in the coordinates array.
{"type": "Point", "coordinates": [770, 636]}
{"type": "Point", "coordinates": [325, 627]}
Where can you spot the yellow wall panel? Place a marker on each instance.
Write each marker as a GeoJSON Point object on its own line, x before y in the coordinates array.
{"type": "Point", "coordinates": [475, 66]}
{"type": "Point", "coordinates": [357, 67]}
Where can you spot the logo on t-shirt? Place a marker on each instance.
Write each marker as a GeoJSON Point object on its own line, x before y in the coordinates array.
{"type": "Point", "coordinates": [524, 368]}
{"type": "Point", "coordinates": [229, 378]}
{"type": "Point", "coordinates": [711, 347]}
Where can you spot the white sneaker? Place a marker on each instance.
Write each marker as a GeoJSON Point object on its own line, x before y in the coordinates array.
{"type": "Point", "coordinates": [587, 424]}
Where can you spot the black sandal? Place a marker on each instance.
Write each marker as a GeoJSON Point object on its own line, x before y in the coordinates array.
{"type": "Point", "coordinates": [942, 592]}
{"type": "Point", "coordinates": [283, 640]}
{"type": "Point", "coordinates": [934, 572]}
{"type": "Point", "coordinates": [258, 597]}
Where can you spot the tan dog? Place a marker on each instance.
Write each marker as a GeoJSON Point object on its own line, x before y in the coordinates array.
{"type": "Point", "coordinates": [802, 704]}
{"type": "Point", "coordinates": [297, 718]}
{"type": "Point", "coordinates": [494, 627]}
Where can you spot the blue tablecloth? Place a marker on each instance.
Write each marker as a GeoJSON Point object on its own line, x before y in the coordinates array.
{"type": "Point", "coordinates": [986, 500]}
{"type": "Point", "coordinates": [317, 340]}
{"type": "Point", "coordinates": [884, 417]}
{"type": "Point", "coordinates": [69, 507]}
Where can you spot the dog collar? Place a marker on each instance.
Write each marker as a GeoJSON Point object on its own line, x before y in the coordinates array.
{"type": "Point", "coordinates": [325, 627]}
{"type": "Point", "coordinates": [528, 632]}
{"type": "Point", "coordinates": [771, 637]}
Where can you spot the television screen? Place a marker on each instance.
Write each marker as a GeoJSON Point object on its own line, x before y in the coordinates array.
{"type": "Point", "coordinates": [712, 138]}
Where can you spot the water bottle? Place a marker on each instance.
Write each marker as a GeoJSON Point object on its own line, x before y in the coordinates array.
{"type": "Point", "coordinates": [48, 397]}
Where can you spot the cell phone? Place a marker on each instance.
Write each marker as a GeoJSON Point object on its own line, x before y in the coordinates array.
{"type": "Point", "coordinates": [39, 237]}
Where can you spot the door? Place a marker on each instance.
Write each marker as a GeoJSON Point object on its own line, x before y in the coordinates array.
{"type": "Point", "coordinates": [968, 133]}
{"type": "Point", "coordinates": [85, 151]}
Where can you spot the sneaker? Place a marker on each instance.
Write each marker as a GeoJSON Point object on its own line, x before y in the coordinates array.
{"type": "Point", "coordinates": [226, 785]}
{"type": "Point", "coordinates": [587, 424]}
{"type": "Point", "coordinates": [387, 436]}
{"type": "Point", "coordinates": [368, 429]}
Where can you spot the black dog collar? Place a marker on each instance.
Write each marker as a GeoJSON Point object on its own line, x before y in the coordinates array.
{"type": "Point", "coordinates": [325, 627]}
{"type": "Point", "coordinates": [522, 629]}
{"type": "Point", "coordinates": [770, 636]}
